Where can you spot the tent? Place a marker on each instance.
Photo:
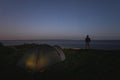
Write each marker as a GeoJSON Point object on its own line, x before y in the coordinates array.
{"type": "Point", "coordinates": [41, 57]}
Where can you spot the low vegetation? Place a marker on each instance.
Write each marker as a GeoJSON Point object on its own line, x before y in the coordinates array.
{"type": "Point", "coordinates": [80, 64]}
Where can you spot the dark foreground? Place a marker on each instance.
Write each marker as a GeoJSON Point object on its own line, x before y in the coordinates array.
{"type": "Point", "coordinates": [79, 65]}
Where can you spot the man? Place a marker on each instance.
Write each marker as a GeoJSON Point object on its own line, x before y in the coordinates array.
{"type": "Point", "coordinates": [87, 41]}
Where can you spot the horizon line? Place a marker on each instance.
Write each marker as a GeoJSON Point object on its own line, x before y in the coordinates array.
{"type": "Point", "coordinates": [52, 39]}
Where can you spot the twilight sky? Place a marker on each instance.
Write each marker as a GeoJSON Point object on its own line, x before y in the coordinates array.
{"type": "Point", "coordinates": [59, 19]}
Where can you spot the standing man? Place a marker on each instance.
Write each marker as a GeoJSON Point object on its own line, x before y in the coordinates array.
{"type": "Point", "coordinates": [87, 42]}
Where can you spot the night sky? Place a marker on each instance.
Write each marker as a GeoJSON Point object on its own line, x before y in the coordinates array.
{"type": "Point", "coordinates": [59, 19]}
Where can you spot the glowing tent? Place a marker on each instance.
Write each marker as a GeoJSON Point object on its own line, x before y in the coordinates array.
{"type": "Point", "coordinates": [41, 57]}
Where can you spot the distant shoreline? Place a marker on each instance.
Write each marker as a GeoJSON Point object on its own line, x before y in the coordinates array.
{"type": "Point", "coordinates": [76, 44]}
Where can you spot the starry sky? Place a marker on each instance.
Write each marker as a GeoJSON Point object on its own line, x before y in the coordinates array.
{"type": "Point", "coordinates": [59, 19]}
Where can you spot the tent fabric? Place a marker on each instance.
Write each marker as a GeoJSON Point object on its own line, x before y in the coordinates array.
{"type": "Point", "coordinates": [60, 52]}
{"type": "Point", "coordinates": [41, 57]}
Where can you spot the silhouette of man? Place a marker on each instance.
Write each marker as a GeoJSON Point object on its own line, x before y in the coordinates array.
{"type": "Point", "coordinates": [87, 41]}
{"type": "Point", "coordinates": [1, 44]}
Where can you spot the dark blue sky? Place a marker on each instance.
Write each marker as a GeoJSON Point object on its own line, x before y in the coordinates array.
{"type": "Point", "coordinates": [59, 19]}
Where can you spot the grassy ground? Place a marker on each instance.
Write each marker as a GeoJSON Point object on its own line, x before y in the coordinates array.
{"type": "Point", "coordinates": [80, 64]}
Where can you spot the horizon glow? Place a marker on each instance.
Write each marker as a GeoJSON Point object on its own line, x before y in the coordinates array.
{"type": "Point", "coordinates": [59, 19]}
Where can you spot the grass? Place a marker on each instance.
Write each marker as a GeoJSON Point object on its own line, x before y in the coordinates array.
{"type": "Point", "coordinates": [80, 64]}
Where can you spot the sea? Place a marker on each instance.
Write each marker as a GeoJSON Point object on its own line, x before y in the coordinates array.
{"type": "Point", "coordinates": [95, 44]}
